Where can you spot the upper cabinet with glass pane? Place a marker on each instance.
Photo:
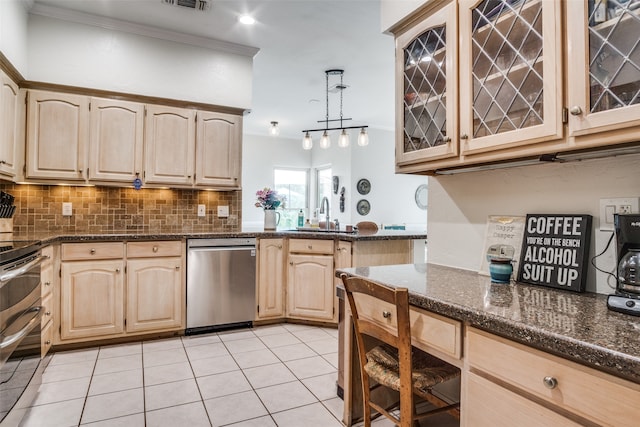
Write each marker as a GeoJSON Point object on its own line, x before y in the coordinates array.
{"type": "Point", "coordinates": [483, 81]}
{"type": "Point", "coordinates": [509, 73]}
{"type": "Point", "coordinates": [426, 67]}
{"type": "Point", "coordinates": [605, 68]}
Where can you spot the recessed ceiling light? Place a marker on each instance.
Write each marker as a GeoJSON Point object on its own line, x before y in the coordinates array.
{"type": "Point", "coordinates": [247, 20]}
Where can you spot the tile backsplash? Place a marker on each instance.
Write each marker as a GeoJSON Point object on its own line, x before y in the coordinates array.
{"type": "Point", "coordinates": [109, 209]}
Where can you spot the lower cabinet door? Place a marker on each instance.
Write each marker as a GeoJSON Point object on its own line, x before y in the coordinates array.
{"type": "Point", "coordinates": [154, 294]}
{"type": "Point", "coordinates": [92, 299]}
{"type": "Point", "coordinates": [487, 404]}
{"type": "Point", "coordinates": [310, 287]}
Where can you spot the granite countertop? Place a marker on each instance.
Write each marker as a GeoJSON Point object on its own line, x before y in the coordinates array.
{"type": "Point", "coordinates": [575, 326]}
{"type": "Point", "coordinates": [48, 238]}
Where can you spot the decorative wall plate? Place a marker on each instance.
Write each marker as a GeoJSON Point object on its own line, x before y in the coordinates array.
{"type": "Point", "coordinates": [421, 196]}
{"type": "Point", "coordinates": [336, 184]}
{"type": "Point", "coordinates": [363, 186]}
{"type": "Point", "coordinates": [363, 207]}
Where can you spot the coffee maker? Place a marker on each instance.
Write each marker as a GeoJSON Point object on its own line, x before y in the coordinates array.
{"type": "Point", "coordinates": [627, 296]}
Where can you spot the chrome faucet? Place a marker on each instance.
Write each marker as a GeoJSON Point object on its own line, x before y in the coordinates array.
{"type": "Point", "coordinates": [325, 211]}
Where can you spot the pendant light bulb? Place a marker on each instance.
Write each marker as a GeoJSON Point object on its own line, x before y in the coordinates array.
{"type": "Point", "coordinates": [307, 142]}
{"type": "Point", "coordinates": [343, 141]}
{"type": "Point", "coordinates": [363, 138]}
{"type": "Point", "coordinates": [325, 141]}
{"type": "Point", "coordinates": [274, 129]}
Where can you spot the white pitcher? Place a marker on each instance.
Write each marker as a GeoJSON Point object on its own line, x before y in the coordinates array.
{"type": "Point", "coordinates": [271, 219]}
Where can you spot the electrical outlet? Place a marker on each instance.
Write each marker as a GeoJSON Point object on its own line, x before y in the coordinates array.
{"type": "Point", "coordinates": [202, 210]}
{"type": "Point", "coordinates": [622, 205]}
{"type": "Point", "coordinates": [223, 211]}
{"type": "Point", "coordinates": [67, 209]}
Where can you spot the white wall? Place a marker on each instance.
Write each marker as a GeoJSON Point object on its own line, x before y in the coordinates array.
{"type": "Point", "coordinates": [74, 54]}
{"type": "Point", "coordinates": [391, 197]}
{"type": "Point", "coordinates": [459, 205]}
{"type": "Point", "coordinates": [13, 32]}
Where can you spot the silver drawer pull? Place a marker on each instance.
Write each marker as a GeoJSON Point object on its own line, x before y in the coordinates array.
{"type": "Point", "coordinates": [92, 251]}
{"type": "Point", "coordinates": [47, 283]}
{"type": "Point", "coordinates": [47, 342]}
{"type": "Point", "coordinates": [550, 382]}
{"type": "Point", "coordinates": [386, 314]}
{"type": "Point", "coordinates": [48, 313]}
{"type": "Point", "coordinates": [155, 249]}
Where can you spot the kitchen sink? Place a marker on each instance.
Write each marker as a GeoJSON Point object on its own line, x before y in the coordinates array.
{"type": "Point", "coordinates": [319, 230]}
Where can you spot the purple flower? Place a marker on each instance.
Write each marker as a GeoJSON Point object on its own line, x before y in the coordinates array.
{"type": "Point", "coordinates": [268, 199]}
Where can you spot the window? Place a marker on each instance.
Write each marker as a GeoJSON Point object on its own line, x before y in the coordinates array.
{"type": "Point", "coordinates": [324, 185]}
{"type": "Point", "coordinates": [294, 185]}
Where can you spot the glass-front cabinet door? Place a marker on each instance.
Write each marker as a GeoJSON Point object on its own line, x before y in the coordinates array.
{"type": "Point", "coordinates": [426, 70]}
{"type": "Point", "coordinates": [510, 73]}
{"type": "Point", "coordinates": [604, 68]}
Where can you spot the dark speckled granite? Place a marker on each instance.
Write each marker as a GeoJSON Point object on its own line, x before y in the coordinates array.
{"type": "Point", "coordinates": [572, 325]}
{"type": "Point", "coordinates": [48, 238]}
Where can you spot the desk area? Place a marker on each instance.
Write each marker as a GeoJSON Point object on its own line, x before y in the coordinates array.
{"type": "Point", "coordinates": [549, 353]}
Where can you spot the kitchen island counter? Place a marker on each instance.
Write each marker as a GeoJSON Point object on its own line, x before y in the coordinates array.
{"type": "Point", "coordinates": [574, 326]}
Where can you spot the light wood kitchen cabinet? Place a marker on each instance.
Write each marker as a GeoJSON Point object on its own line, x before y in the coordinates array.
{"type": "Point", "coordinates": [57, 135]}
{"type": "Point", "coordinates": [92, 296]}
{"type": "Point", "coordinates": [310, 285]}
{"type": "Point", "coordinates": [218, 150]}
{"type": "Point", "coordinates": [115, 149]}
{"type": "Point", "coordinates": [169, 145]}
{"type": "Point", "coordinates": [537, 388]}
{"type": "Point", "coordinates": [155, 294]}
{"type": "Point", "coordinates": [271, 278]}
{"type": "Point", "coordinates": [9, 124]}
{"type": "Point", "coordinates": [604, 70]}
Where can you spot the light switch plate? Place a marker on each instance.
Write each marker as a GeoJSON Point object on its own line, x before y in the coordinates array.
{"type": "Point", "coordinates": [67, 209]}
{"type": "Point", "coordinates": [202, 210]}
{"type": "Point", "coordinates": [223, 211]}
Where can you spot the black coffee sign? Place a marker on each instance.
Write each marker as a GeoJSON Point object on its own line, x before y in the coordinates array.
{"type": "Point", "coordinates": [555, 250]}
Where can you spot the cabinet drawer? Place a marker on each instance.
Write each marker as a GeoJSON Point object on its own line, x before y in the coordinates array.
{"type": "Point", "coordinates": [584, 391]}
{"type": "Point", "coordinates": [46, 339]}
{"type": "Point", "coordinates": [47, 310]}
{"type": "Point", "coordinates": [430, 331]}
{"type": "Point", "coordinates": [47, 271]}
{"type": "Point", "coordinates": [489, 405]}
{"type": "Point", "coordinates": [311, 246]}
{"type": "Point", "coordinates": [154, 249]}
{"type": "Point", "coordinates": [88, 251]}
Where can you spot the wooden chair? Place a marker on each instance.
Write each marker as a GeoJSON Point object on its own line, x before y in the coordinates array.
{"type": "Point", "coordinates": [382, 312]}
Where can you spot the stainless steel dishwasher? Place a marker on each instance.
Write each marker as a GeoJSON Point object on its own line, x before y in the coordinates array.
{"type": "Point", "coordinates": [221, 284]}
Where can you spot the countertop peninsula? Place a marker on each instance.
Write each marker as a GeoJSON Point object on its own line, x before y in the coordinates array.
{"type": "Point", "coordinates": [575, 326]}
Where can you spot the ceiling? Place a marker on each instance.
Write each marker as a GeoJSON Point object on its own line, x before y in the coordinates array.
{"type": "Point", "coordinates": [298, 41]}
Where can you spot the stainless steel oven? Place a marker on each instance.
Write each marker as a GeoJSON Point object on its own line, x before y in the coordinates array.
{"type": "Point", "coordinates": [21, 365]}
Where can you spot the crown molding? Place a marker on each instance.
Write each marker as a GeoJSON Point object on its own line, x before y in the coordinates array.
{"type": "Point", "coordinates": [141, 30]}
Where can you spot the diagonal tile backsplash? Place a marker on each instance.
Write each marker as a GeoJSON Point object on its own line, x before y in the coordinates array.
{"type": "Point", "coordinates": [110, 209]}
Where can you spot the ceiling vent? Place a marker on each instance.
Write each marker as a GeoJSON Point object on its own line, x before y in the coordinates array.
{"type": "Point", "coordinates": [201, 5]}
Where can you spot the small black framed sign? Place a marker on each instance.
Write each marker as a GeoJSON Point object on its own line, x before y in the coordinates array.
{"type": "Point", "coordinates": [555, 248]}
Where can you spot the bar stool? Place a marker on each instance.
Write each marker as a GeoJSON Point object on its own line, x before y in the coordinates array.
{"type": "Point", "coordinates": [382, 312]}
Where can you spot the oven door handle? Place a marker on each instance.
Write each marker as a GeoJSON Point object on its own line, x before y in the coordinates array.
{"type": "Point", "coordinates": [4, 278]}
{"type": "Point", "coordinates": [37, 318]}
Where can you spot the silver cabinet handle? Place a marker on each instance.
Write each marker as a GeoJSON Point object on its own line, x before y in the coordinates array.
{"type": "Point", "coordinates": [48, 313]}
{"type": "Point", "coordinates": [386, 314]}
{"type": "Point", "coordinates": [447, 139]}
{"type": "Point", "coordinates": [550, 382]}
{"type": "Point", "coordinates": [47, 283]}
{"type": "Point", "coordinates": [575, 110]}
{"type": "Point", "coordinates": [155, 249]}
{"type": "Point", "coordinates": [279, 246]}
{"type": "Point", "coordinates": [117, 270]}
{"type": "Point", "coordinates": [92, 251]}
{"type": "Point", "coordinates": [464, 136]}
{"type": "Point", "coordinates": [177, 267]}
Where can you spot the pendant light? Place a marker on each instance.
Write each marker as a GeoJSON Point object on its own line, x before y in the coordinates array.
{"type": "Point", "coordinates": [307, 142]}
{"type": "Point", "coordinates": [363, 138]}
{"type": "Point", "coordinates": [274, 129]}
{"type": "Point", "coordinates": [343, 140]}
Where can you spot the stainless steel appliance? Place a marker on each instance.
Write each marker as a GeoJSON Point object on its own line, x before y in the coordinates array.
{"type": "Point", "coordinates": [627, 296]}
{"type": "Point", "coordinates": [221, 283]}
{"type": "Point", "coordinates": [21, 366]}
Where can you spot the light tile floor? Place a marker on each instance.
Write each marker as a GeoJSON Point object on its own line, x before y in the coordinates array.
{"type": "Point", "coordinates": [281, 375]}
